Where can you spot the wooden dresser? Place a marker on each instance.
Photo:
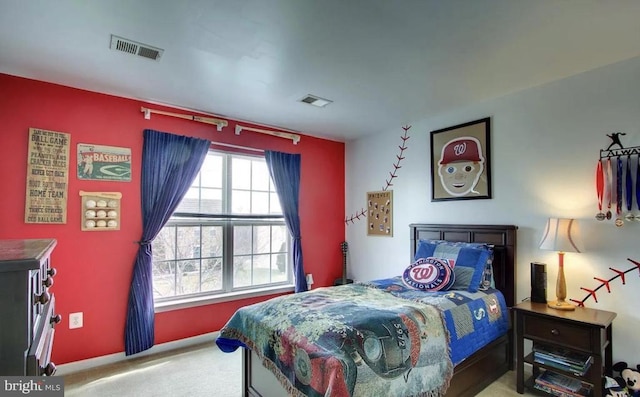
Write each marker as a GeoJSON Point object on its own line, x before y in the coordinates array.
{"type": "Point", "coordinates": [27, 308]}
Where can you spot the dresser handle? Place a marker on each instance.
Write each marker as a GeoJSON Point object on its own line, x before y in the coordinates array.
{"type": "Point", "coordinates": [48, 282]}
{"type": "Point", "coordinates": [52, 272]}
{"type": "Point", "coordinates": [55, 319]}
{"type": "Point", "coordinates": [43, 298]}
{"type": "Point", "coordinates": [48, 370]}
{"type": "Point", "coordinates": [555, 332]}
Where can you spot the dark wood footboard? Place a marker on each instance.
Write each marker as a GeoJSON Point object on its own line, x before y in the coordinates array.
{"type": "Point", "coordinates": [481, 369]}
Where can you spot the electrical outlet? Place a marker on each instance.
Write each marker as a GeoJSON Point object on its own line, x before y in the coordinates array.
{"type": "Point", "coordinates": [309, 280]}
{"type": "Point", "coordinates": [75, 320]}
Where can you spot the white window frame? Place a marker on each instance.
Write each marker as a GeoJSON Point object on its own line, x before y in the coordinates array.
{"type": "Point", "coordinates": [227, 221]}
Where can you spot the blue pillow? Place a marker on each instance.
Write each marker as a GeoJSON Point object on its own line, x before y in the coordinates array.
{"type": "Point", "coordinates": [463, 277]}
{"type": "Point", "coordinates": [476, 257]}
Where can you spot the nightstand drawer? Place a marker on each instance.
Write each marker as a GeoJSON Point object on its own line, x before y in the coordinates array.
{"type": "Point", "coordinates": [562, 333]}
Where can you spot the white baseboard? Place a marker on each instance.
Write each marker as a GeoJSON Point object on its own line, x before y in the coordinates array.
{"type": "Point", "coordinates": [82, 365]}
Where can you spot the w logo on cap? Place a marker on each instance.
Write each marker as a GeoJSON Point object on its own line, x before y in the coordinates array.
{"type": "Point", "coordinates": [461, 149]}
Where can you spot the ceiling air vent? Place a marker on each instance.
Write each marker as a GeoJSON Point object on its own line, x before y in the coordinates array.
{"type": "Point", "coordinates": [315, 101]}
{"type": "Point", "coordinates": [135, 48]}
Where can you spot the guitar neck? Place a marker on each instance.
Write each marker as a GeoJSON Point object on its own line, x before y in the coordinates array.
{"type": "Point", "coordinates": [345, 248]}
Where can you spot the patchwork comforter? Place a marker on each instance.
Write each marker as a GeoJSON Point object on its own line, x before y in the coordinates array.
{"type": "Point", "coordinates": [473, 319]}
{"type": "Point", "coordinates": [363, 339]}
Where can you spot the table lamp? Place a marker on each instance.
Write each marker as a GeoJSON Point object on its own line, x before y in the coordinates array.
{"type": "Point", "coordinates": [561, 235]}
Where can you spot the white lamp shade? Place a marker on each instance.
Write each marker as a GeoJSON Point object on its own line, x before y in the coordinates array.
{"type": "Point", "coordinates": [561, 235]}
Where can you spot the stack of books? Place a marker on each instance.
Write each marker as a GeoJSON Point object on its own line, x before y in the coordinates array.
{"type": "Point", "coordinates": [566, 360]}
{"type": "Point", "coordinates": [561, 385]}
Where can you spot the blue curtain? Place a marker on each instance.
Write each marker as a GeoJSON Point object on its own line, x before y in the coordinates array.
{"type": "Point", "coordinates": [170, 163]}
{"type": "Point", "coordinates": [285, 173]}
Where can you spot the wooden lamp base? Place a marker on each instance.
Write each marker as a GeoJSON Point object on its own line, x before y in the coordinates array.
{"type": "Point", "coordinates": [561, 288]}
{"type": "Point", "coordinates": [561, 305]}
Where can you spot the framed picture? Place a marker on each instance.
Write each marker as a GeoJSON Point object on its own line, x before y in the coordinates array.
{"type": "Point", "coordinates": [107, 163]}
{"type": "Point", "coordinates": [461, 162]}
{"type": "Point", "coordinates": [380, 213]}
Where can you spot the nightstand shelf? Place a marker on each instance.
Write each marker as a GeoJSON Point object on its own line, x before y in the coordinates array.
{"type": "Point", "coordinates": [530, 360]}
{"type": "Point", "coordinates": [532, 390]}
{"type": "Point", "coordinates": [585, 331]}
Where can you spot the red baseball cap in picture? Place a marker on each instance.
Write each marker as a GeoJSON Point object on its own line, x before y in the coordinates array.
{"type": "Point", "coordinates": [463, 149]}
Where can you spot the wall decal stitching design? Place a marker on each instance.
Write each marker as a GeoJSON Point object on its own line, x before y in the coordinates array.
{"type": "Point", "coordinates": [392, 174]}
{"type": "Point", "coordinates": [606, 283]}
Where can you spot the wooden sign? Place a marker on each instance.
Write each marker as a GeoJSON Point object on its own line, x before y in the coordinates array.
{"type": "Point", "coordinates": [380, 213]}
{"type": "Point", "coordinates": [47, 177]}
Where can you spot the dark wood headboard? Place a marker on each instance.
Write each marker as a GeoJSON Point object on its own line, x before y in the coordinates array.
{"type": "Point", "coordinates": [503, 237]}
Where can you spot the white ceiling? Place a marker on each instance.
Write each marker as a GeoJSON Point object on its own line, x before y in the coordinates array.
{"type": "Point", "coordinates": [384, 63]}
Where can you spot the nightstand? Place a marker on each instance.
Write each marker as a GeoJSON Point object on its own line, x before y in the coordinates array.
{"type": "Point", "coordinates": [582, 330]}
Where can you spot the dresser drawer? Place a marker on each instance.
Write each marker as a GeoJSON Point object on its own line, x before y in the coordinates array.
{"type": "Point", "coordinates": [561, 333]}
{"type": "Point", "coordinates": [40, 281]}
{"type": "Point", "coordinates": [38, 360]}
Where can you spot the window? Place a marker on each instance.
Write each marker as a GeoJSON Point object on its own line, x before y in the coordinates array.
{"type": "Point", "coordinates": [227, 235]}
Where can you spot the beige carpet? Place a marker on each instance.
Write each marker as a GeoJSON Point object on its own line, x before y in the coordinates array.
{"type": "Point", "coordinates": [505, 386]}
{"type": "Point", "coordinates": [201, 370]}
{"type": "Point", "coordinates": [197, 371]}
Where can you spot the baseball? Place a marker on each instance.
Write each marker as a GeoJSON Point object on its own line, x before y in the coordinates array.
{"type": "Point", "coordinates": [112, 204]}
{"type": "Point", "coordinates": [112, 223]}
{"type": "Point", "coordinates": [90, 214]}
{"type": "Point", "coordinates": [89, 224]}
{"type": "Point", "coordinates": [90, 204]}
{"type": "Point", "coordinates": [112, 214]}
{"type": "Point", "coordinates": [101, 223]}
{"type": "Point", "coordinates": [101, 214]}
{"type": "Point", "coordinates": [101, 203]}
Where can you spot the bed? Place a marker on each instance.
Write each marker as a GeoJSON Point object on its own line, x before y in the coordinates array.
{"type": "Point", "coordinates": [330, 365]}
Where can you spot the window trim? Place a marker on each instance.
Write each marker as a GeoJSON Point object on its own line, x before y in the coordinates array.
{"type": "Point", "coordinates": [162, 304]}
{"type": "Point", "coordinates": [211, 299]}
{"type": "Point", "coordinates": [241, 292]}
{"type": "Point", "coordinates": [195, 215]}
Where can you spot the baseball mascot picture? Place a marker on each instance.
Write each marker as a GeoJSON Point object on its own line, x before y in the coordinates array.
{"type": "Point", "coordinates": [461, 165]}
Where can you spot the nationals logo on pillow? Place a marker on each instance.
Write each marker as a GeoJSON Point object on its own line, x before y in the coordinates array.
{"type": "Point", "coordinates": [428, 274]}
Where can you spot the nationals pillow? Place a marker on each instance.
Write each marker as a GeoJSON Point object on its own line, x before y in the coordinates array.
{"type": "Point", "coordinates": [475, 258]}
{"type": "Point", "coordinates": [429, 274]}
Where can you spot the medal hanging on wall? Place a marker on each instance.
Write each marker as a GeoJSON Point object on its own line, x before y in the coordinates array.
{"type": "Point", "coordinates": [637, 217]}
{"type": "Point", "coordinates": [609, 186]}
{"type": "Point", "coordinates": [600, 190]}
{"type": "Point", "coordinates": [619, 220]}
{"type": "Point", "coordinates": [628, 193]}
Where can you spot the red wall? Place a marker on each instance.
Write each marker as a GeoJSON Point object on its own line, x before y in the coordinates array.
{"type": "Point", "coordinates": [94, 268]}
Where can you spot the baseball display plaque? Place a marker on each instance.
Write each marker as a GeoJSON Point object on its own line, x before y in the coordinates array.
{"type": "Point", "coordinates": [100, 211]}
{"type": "Point", "coordinates": [380, 213]}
